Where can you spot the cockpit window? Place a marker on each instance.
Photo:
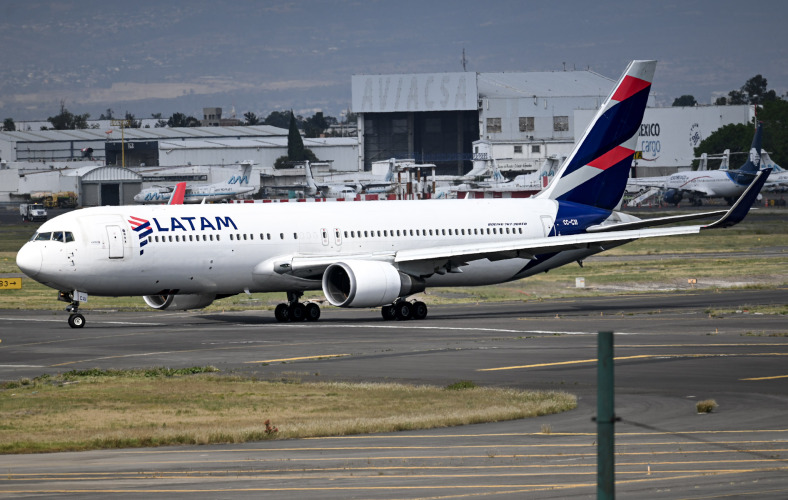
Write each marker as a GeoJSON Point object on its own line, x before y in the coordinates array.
{"type": "Point", "coordinates": [61, 236]}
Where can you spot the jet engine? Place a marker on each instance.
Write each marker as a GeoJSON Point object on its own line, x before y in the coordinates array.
{"type": "Point", "coordinates": [672, 196]}
{"type": "Point", "coordinates": [367, 283]}
{"type": "Point", "coordinates": [179, 302]}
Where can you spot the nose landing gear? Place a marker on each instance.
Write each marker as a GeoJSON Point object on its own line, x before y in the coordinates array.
{"type": "Point", "coordinates": [75, 320]}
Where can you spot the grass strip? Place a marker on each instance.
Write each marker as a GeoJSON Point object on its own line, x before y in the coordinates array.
{"type": "Point", "coordinates": [100, 409]}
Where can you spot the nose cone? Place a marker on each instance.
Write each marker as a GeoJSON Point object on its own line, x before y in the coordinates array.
{"type": "Point", "coordinates": [29, 260]}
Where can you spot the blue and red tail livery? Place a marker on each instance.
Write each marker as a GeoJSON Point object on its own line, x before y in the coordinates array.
{"type": "Point", "coordinates": [595, 173]}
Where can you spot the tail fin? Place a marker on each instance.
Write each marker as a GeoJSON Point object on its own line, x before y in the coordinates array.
{"type": "Point", "coordinates": [753, 163]}
{"type": "Point", "coordinates": [310, 180]}
{"type": "Point", "coordinates": [177, 196]}
{"type": "Point", "coordinates": [596, 171]}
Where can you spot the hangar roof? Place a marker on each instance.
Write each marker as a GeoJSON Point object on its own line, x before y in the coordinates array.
{"type": "Point", "coordinates": [543, 84]}
{"type": "Point", "coordinates": [152, 134]}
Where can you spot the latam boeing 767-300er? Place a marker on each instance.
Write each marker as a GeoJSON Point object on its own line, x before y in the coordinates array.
{"type": "Point", "coordinates": [361, 254]}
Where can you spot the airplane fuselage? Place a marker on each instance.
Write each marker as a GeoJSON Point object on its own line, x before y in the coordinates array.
{"type": "Point", "coordinates": [144, 250]}
{"type": "Point", "coordinates": [714, 183]}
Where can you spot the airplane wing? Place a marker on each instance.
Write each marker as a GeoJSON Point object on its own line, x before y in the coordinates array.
{"type": "Point", "coordinates": [427, 261]}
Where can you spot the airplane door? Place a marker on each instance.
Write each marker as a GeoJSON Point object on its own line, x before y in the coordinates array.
{"type": "Point", "coordinates": [547, 224]}
{"type": "Point", "coordinates": [115, 236]}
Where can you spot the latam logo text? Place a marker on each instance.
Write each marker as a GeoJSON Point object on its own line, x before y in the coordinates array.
{"type": "Point", "coordinates": [194, 224]}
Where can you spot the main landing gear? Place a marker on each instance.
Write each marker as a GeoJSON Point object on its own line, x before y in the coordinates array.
{"type": "Point", "coordinates": [402, 310]}
{"type": "Point", "coordinates": [75, 320]}
{"type": "Point", "coordinates": [295, 310]}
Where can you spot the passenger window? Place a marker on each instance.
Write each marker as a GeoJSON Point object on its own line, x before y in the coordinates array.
{"type": "Point", "coordinates": [244, 237]}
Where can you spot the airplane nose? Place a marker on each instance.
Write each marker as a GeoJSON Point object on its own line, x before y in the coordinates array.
{"type": "Point", "coordinates": [29, 260]}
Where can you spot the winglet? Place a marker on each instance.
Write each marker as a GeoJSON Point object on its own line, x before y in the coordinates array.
{"type": "Point", "coordinates": [739, 209]}
{"type": "Point", "coordinates": [177, 196]}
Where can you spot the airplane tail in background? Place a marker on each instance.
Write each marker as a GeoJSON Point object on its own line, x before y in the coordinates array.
{"type": "Point", "coordinates": [596, 171]}
{"type": "Point", "coordinates": [753, 163]}
{"type": "Point", "coordinates": [178, 195]}
{"type": "Point", "coordinates": [310, 180]}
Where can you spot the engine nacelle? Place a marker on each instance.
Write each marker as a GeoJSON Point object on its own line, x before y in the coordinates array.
{"type": "Point", "coordinates": [367, 283]}
{"type": "Point", "coordinates": [673, 196]}
{"type": "Point", "coordinates": [179, 302]}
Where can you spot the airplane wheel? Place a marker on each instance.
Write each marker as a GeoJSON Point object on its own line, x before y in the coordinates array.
{"type": "Point", "coordinates": [403, 310]}
{"type": "Point", "coordinates": [76, 321]}
{"type": "Point", "coordinates": [388, 313]}
{"type": "Point", "coordinates": [419, 310]}
{"type": "Point", "coordinates": [312, 312]}
{"type": "Point", "coordinates": [281, 313]}
{"type": "Point", "coordinates": [297, 312]}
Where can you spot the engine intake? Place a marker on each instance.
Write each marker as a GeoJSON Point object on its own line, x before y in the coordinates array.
{"type": "Point", "coordinates": [179, 302]}
{"type": "Point", "coordinates": [367, 283]}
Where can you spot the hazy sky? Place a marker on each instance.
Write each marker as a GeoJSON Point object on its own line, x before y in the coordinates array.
{"type": "Point", "coordinates": [171, 56]}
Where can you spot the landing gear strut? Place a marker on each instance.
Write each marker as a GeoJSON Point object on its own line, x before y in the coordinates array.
{"type": "Point", "coordinates": [75, 320]}
{"type": "Point", "coordinates": [295, 310]}
{"type": "Point", "coordinates": [402, 310]}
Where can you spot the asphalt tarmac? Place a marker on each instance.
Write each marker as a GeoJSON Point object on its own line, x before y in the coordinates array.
{"type": "Point", "coordinates": [672, 351]}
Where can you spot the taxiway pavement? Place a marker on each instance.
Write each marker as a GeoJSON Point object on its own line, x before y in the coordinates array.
{"type": "Point", "coordinates": [672, 350]}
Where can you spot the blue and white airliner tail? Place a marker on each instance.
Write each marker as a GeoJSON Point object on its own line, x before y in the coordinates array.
{"type": "Point", "coordinates": [596, 172]}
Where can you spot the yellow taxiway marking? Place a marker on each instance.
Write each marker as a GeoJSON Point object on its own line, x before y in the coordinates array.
{"type": "Point", "coordinates": [625, 358]}
{"type": "Point", "coordinates": [319, 356]}
{"type": "Point", "coordinates": [766, 378]}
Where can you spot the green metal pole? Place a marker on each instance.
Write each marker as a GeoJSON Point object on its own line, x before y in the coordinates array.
{"type": "Point", "coordinates": [605, 420]}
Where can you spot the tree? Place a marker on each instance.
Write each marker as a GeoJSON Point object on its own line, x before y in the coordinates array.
{"type": "Point", "coordinates": [108, 116]}
{"type": "Point", "coordinates": [279, 119]}
{"type": "Point", "coordinates": [295, 144]}
{"type": "Point", "coordinates": [9, 125]}
{"type": "Point", "coordinates": [736, 137]}
{"type": "Point", "coordinates": [685, 100]}
{"type": "Point", "coordinates": [315, 125]}
{"type": "Point", "coordinates": [251, 119]}
{"type": "Point", "coordinates": [181, 120]}
{"type": "Point", "coordinates": [132, 122]}
{"type": "Point", "coordinates": [774, 115]}
{"type": "Point", "coordinates": [67, 120]}
{"type": "Point", "coordinates": [736, 97]}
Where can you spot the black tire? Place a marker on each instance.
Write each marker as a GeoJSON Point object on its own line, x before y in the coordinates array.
{"type": "Point", "coordinates": [76, 321]}
{"type": "Point", "coordinates": [281, 313]}
{"type": "Point", "coordinates": [297, 312]}
{"type": "Point", "coordinates": [388, 313]}
{"type": "Point", "coordinates": [403, 310]}
{"type": "Point", "coordinates": [312, 312]}
{"type": "Point", "coordinates": [419, 310]}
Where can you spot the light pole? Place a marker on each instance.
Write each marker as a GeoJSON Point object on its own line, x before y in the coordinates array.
{"type": "Point", "coordinates": [122, 124]}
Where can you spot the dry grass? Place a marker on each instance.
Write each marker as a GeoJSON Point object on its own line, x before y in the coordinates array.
{"type": "Point", "coordinates": [706, 406]}
{"type": "Point", "coordinates": [126, 409]}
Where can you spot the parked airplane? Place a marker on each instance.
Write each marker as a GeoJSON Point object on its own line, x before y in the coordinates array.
{"type": "Point", "coordinates": [778, 181]}
{"type": "Point", "coordinates": [342, 189]}
{"type": "Point", "coordinates": [361, 254]}
{"type": "Point", "coordinates": [235, 186]}
{"type": "Point", "coordinates": [700, 184]}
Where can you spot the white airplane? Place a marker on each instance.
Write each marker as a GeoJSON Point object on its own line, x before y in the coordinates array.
{"type": "Point", "coordinates": [233, 187]}
{"type": "Point", "coordinates": [778, 181]}
{"type": "Point", "coordinates": [361, 254]}
{"type": "Point", "coordinates": [699, 184]}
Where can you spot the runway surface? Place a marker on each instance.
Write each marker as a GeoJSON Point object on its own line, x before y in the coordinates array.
{"type": "Point", "coordinates": [672, 350]}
